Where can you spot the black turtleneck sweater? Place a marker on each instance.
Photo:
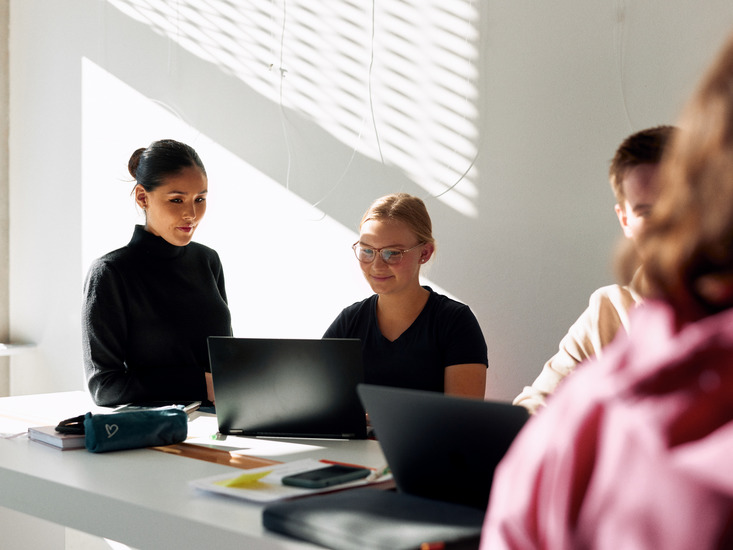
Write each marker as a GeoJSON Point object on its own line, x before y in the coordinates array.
{"type": "Point", "coordinates": [148, 309]}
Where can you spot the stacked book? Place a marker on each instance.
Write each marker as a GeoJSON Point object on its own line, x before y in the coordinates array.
{"type": "Point", "coordinates": [49, 436]}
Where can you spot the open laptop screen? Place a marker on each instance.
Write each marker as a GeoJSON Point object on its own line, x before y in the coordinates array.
{"type": "Point", "coordinates": [288, 387]}
{"type": "Point", "coordinates": [441, 447]}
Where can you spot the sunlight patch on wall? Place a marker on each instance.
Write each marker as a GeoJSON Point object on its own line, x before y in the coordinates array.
{"type": "Point", "coordinates": [398, 78]}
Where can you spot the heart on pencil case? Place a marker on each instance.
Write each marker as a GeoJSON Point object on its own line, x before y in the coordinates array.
{"type": "Point", "coordinates": [111, 429]}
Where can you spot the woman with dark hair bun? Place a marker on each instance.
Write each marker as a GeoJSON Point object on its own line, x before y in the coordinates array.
{"type": "Point", "coordinates": [149, 306]}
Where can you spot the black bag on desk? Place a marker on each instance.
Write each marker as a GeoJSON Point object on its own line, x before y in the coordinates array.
{"type": "Point", "coordinates": [375, 519]}
{"type": "Point", "coordinates": [134, 429]}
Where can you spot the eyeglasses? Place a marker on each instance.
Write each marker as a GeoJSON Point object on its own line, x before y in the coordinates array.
{"type": "Point", "coordinates": [391, 256]}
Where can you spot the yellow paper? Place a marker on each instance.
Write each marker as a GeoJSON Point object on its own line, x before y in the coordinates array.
{"type": "Point", "coordinates": [243, 480]}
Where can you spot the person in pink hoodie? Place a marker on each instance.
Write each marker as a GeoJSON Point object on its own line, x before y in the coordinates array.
{"type": "Point", "coordinates": [634, 451]}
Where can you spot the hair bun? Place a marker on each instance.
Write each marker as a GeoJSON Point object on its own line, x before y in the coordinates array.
{"type": "Point", "coordinates": [134, 162]}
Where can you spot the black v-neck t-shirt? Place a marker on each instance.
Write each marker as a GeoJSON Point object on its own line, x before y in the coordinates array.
{"type": "Point", "coordinates": [445, 333]}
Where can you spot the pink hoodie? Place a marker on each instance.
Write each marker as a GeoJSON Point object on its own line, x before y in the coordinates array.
{"type": "Point", "coordinates": [634, 450]}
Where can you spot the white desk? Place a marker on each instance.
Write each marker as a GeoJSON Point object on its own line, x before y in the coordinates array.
{"type": "Point", "coordinates": [138, 497]}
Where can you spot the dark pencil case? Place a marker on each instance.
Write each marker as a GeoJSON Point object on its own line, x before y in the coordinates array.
{"type": "Point", "coordinates": [134, 429]}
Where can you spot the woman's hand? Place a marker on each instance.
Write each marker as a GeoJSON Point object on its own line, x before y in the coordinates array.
{"type": "Point", "coordinates": [209, 387]}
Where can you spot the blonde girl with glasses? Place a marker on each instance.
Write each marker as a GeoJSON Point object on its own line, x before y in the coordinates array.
{"type": "Point", "coordinates": [412, 337]}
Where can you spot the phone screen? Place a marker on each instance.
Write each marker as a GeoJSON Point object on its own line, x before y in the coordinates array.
{"type": "Point", "coordinates": [325, 477]}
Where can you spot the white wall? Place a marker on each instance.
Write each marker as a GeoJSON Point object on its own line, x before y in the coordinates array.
{"type": "Point", "coordinates": [4, 255]}
{"type": "Point", "coordinates": [529, 99]}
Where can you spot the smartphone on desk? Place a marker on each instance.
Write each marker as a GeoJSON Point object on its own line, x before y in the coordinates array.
{"type": "Point", "coordinates": [325, 477]}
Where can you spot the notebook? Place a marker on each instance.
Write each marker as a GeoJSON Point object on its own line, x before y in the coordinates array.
{"type": "Point", "coordinates": [441, 447]}
{"type": "Point", "coordinates": [288, 387]}
{"type": "Point", "coordinates": [375, 519]}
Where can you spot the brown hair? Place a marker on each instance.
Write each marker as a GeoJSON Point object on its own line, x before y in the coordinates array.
{"type": "Point", "coordinates": [687, 243]}
{"type": "Point", "coordinates": [643, 147]}
{"type": "Point", "coordinates": [404, 208]}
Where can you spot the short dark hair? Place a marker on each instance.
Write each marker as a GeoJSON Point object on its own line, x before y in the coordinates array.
{"type": "Point", "coordinates": [643, 147]}
{"type": "Point", "coordinates": [167, 157]}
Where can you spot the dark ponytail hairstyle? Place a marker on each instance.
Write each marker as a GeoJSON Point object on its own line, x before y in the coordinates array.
{"type": "Point", "coordinates": [167, 157]}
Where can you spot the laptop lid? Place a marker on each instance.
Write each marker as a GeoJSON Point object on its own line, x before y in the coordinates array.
{"type": "Point", "coordinates": [441, 447]}
{"type": "Point", "coordinates": [288, 387]}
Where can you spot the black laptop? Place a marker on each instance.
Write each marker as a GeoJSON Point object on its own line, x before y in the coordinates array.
{"type": "Point", "coordinates": [288, 387]}
{"type": "Point", "coordinates": [441, 447]}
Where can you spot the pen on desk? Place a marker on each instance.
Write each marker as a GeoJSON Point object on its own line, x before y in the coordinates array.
{"type": "Point", "coordinates": [336, 462]}
{"type": "Point", "coordinates": [378, 473]}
